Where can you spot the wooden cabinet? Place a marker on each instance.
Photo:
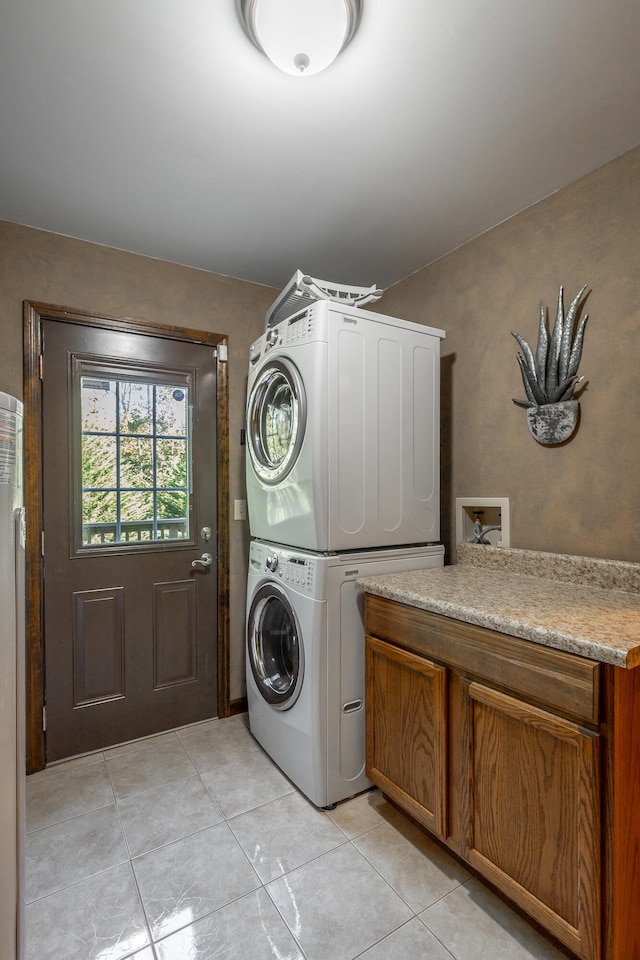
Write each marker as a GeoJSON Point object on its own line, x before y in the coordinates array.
{"type": "Point", "coordinates": [494, 745]}
{"type": "Point", "coordinates": [407, 745]}
{"type": "Point", "coordinates": [534, 828]}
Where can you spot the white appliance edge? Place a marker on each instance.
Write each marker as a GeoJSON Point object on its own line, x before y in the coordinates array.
{"type": "Point", "coordinates": [12, 681]}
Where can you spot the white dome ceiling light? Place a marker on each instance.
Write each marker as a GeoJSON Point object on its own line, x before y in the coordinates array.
{"type": "Point", "coordinates": [301, 37]}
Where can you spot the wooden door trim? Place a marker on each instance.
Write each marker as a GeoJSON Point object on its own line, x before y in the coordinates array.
{"type": "Point", "coordinates": [34, 314]}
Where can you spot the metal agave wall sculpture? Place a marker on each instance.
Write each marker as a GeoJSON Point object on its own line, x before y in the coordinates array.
{"type": "Point", "coordinates": [551, 376]}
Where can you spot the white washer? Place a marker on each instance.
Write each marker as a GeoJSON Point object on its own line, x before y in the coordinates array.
{"type": "Point", "coordinates": [305, 660]}
{"type": "Point", "coordinates": [343, 432]}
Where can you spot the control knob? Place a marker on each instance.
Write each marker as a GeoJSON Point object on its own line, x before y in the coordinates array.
{"type": "Point", "coordinates": [272, 337]}
{"type": "Point", "coordinates": [271, 562]}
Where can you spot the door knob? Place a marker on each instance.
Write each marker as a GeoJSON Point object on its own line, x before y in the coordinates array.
{"type": "Point", "coordinates": [204, 561]}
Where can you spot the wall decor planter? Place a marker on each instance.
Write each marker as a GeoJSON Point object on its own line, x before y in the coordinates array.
{"type": "Point", "coordinates": [551, 376]}
{"type": "Point", "coordinates": [553, 423]}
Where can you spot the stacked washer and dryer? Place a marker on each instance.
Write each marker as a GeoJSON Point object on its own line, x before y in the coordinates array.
{"type": "Point", "coordinates": [342, 478]}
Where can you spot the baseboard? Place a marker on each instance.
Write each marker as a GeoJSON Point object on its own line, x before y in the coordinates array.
{"type": "Point", "coordinates": [237, 706]}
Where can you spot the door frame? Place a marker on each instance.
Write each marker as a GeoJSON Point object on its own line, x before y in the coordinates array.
{"type": "Point", "coordinates": [34, 314]}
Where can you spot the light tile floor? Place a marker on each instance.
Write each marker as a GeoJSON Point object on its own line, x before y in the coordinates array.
{"type": "Point", "coordinates": [192, 846]}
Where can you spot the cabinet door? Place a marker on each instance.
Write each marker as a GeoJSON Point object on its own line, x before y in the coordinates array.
{"type": "Point", "coordinates": [534, 830]}
{"type": "Point", "coordinates": [406, 704]}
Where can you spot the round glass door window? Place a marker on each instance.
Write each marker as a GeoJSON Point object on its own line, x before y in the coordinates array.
{"type": "Point", "coordinates": [274, 647]}
{"type": "Point", "coordinates": [276, 418]}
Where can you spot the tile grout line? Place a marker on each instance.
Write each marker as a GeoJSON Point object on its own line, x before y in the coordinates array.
{"type": "Point", "coordinates": [131, 868]}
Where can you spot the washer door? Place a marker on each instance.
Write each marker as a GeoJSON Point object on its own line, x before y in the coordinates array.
{"type": "Point", "coordinates": [276, 420]}
{"type": "Point", "coordinates": [275, 647]}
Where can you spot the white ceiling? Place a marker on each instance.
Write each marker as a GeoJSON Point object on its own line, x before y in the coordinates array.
{"type": "Point", "coordinates": [156, 127]}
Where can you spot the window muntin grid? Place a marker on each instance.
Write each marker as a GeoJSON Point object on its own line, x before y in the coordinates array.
{"type": "Point", "coordinates": [135, 453]}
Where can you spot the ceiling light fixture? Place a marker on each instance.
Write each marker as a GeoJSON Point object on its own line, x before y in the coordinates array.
{"type": "Point", "coordinates": [301, 37]}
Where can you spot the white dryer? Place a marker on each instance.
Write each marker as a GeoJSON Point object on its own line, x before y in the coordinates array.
{"type": "Point", "coordinates": [305, 660]}
{"type": "Point", "coordinates": [343, 433]}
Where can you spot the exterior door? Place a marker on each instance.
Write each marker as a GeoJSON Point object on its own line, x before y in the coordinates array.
{"type": "Point", "coordinates": [129, 504]}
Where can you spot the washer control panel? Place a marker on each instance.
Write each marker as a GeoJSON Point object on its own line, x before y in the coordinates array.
{"type": "Point", "coordinates": [297, 572]}
{"type": "Point", "coordinates": [293, 570]}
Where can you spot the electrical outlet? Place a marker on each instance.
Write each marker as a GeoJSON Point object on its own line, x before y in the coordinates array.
{"type": "Point", "coordinates": [239, 509]}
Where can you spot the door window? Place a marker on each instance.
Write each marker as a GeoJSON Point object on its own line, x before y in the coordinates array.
{"type": "Point", "coordinates": [135, 460]}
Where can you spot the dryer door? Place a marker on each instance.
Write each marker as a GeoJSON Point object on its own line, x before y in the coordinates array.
{"type": "Point", "coordinates": [276, 420]}
{"type": "Point", "coordinates": [275, 647]}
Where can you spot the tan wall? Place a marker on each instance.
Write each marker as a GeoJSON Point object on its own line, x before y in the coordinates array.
{"type": "Point", "coordinates": [580, 498]}
{"type": "Point", "coordinates": [583, 497]}
{"type": "Point", "coordinates": [48, 268]}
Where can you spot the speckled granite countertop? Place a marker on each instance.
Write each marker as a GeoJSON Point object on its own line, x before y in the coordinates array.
{"type": "Point", "coordinates": [578, 604]}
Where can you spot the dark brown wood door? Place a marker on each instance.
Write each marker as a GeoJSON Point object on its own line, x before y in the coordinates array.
{"type": "Point", "coordinates": [129, 468]}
